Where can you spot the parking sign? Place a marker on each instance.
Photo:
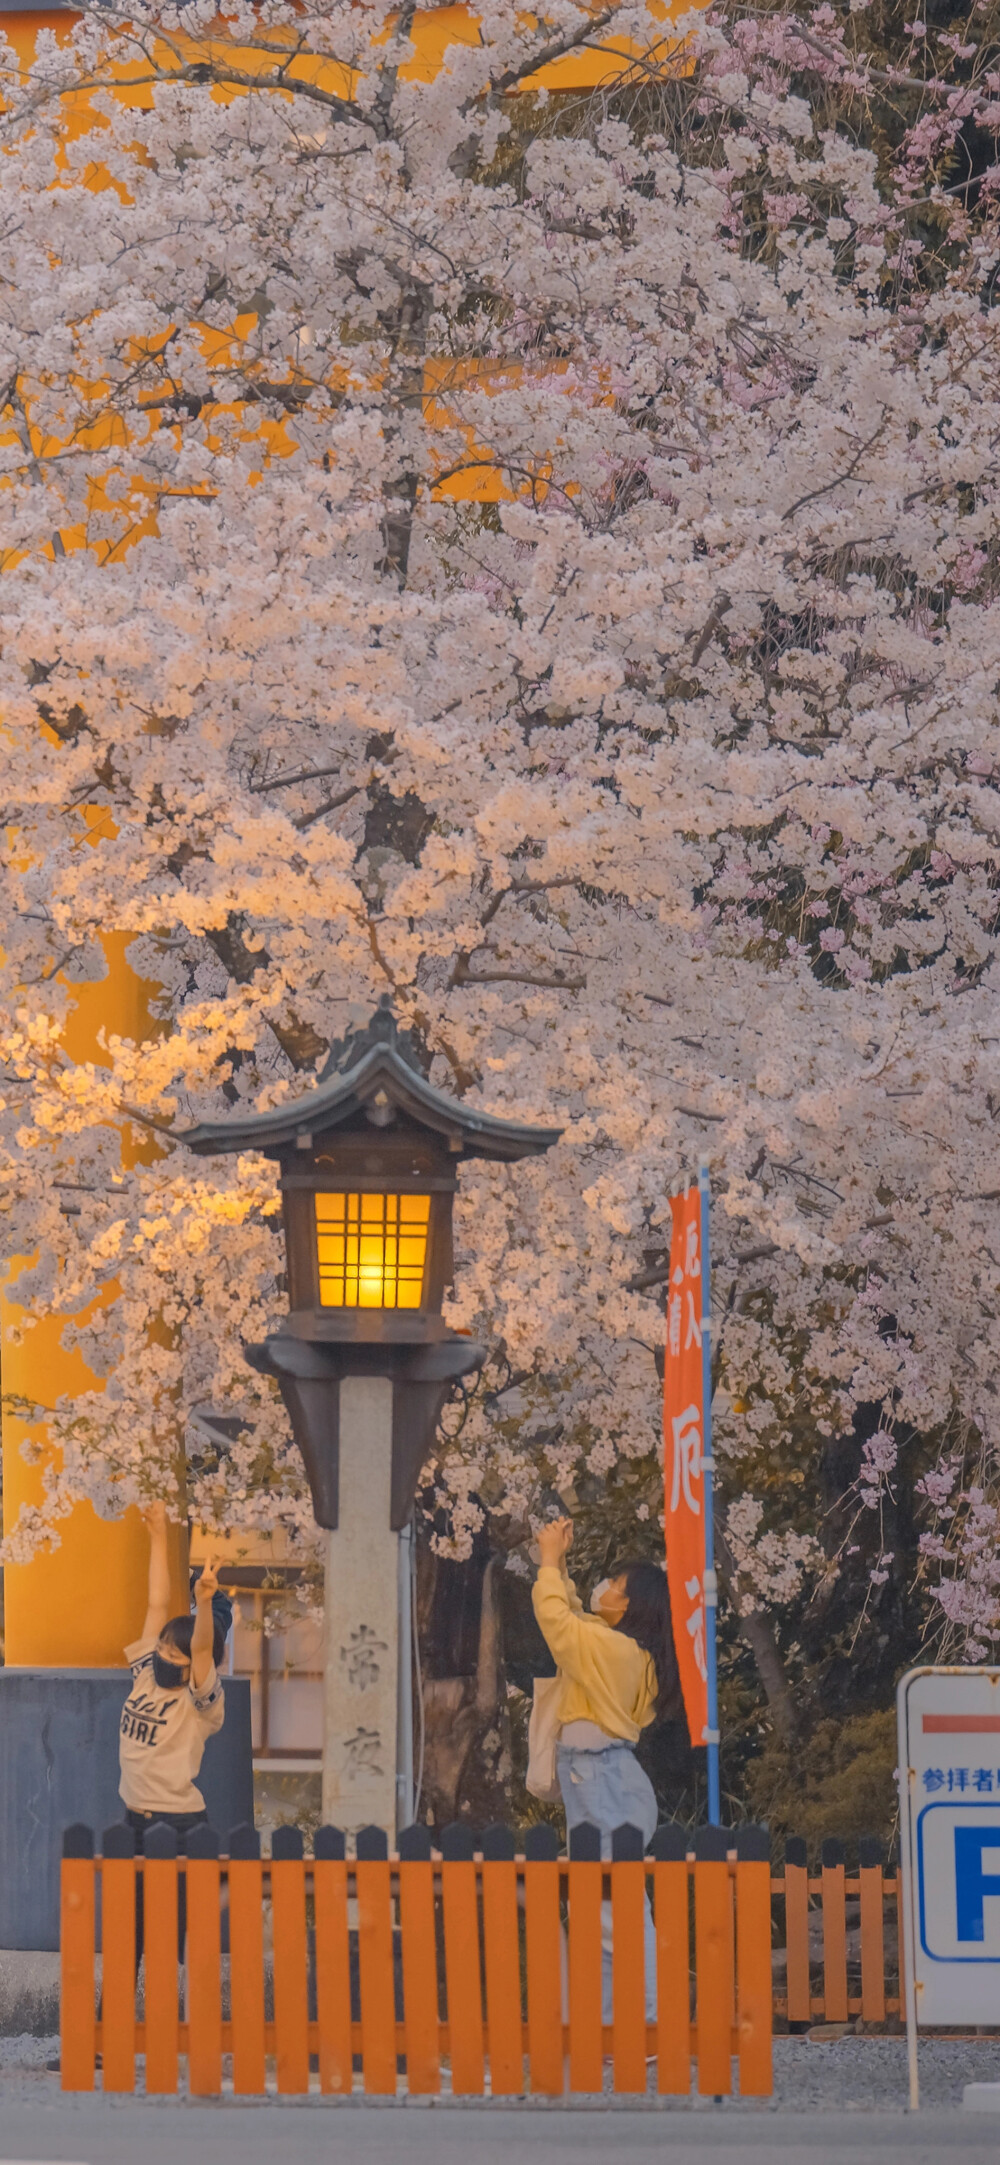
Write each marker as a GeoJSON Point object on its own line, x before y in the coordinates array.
{"type": "Point", "coordinates": [949, 1768]}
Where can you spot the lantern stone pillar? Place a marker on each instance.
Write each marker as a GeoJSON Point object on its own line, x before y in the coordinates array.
{"type": "Point", "coordinates": [361, 1599]}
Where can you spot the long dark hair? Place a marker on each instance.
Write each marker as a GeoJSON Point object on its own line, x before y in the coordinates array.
{"type": "Point", "coordinates": [647, 1621]}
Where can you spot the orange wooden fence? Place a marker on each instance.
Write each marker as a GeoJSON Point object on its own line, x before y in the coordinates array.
{"type": "Point", "coordinates": [840, 1936]}
{"type": "Point", "coordinates": [477, 1971]}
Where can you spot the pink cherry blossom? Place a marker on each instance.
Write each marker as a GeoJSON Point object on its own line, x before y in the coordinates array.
{"type": "Point", "coordinates": [465, 557]}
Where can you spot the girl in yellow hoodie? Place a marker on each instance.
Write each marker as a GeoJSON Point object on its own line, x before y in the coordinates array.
{"type": "Point", "coordinates": [619, 1673]}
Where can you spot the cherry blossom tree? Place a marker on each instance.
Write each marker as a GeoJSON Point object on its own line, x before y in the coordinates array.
{"type": "Point", "coordinates": [535, 555]}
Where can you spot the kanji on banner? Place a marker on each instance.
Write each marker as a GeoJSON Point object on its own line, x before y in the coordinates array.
{"type": "Point", "coordinates": [683, 1437]}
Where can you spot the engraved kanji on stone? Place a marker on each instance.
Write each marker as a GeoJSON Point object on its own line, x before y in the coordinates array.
{"type": "Point", "coordinates": [363, 1669]}
{"type": "Point", "coordinates": [363, 1753]}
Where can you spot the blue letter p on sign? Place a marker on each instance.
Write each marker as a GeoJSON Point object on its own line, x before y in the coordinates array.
{"type": "Point", "coordinates": [972, 1884]}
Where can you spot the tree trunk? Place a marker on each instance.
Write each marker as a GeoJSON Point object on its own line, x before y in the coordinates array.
{"type": "Point", "coordinates": [459, 1711]}
{"type": "Point", "coordinates": [757, 1633]}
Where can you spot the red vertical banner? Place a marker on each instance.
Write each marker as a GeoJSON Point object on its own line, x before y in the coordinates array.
{"type": "Point", "coordinates": [683, 1437]}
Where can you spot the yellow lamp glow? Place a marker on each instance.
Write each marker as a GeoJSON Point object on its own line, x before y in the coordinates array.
{"type": "Point", "coordinates": [371, 1250]}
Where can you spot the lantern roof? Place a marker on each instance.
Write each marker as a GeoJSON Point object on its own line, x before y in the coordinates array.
{"type": "Point", "coordinates": [373, 1073]}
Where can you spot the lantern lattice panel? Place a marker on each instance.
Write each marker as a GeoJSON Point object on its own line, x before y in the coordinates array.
{"type": "Point", "coordinates": [371, 1249]}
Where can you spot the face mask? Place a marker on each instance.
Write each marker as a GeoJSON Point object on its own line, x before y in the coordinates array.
{"type": "Point", "coordinates": [168, 1676]}
{"type": "Point", "coordinates": [598, 1595]}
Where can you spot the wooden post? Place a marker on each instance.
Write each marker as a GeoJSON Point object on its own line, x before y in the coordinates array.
{"type": "Point", "coordinates": [333, 1963]}
{"type": "Point", "coordinates": [246, 1967]}
{"type": "Point", "coordinates": [118, 1874]}
{"type": "Point", "coordinates": [754, 1992]}
{"type": "Point", "coordinates": [797, 1930]}
{"type": "Point", "coordinates": [671, 1902]}
{"type": "Point", "coordinates": [378, 1998]}
{"type": "Point", "coordinates": [834, 1931]}
{"type": "Point", "coordinates": [870, 1860]}
{"type": "Point", "coordinates": [586, 2048]}
{"type": "Point", "coordinates": [543, 1946]}
{"type": "Point", "coordinates": [628, 1898]}
{"type": "Point", "coordinates": [502, 1964]}
{"type": "Point", "coordinates": [713, 1961]}
{"type": "Point", "coordinates": [291, 2000]}
{"type": "Point", "coordinates": [76, 2004]}
{"type": "Point", "coordinates": [159, 1872]}
{"type": "Point", "coordinates": [204, 1963]}
{"type": "Point", "coordinates": [421, 2021]}
{"type": "Point", "coordinates": [461, 1960]}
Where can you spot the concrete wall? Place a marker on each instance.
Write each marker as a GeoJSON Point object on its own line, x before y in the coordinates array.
{"type": "Point", "coordinates": [59, 1764]}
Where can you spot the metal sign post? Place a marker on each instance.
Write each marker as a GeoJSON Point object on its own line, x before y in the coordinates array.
{"type": "Point", "coordinates": [949, 1793]}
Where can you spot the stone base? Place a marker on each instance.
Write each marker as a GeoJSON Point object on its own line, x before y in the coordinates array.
{"type": "Point", "coordinates": [59, 1764]}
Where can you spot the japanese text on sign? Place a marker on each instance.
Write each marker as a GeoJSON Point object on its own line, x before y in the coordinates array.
{"type": "Point", "coordinates": [977, 1781]}
{"type": "Point", "coordinates": [683, 1434]}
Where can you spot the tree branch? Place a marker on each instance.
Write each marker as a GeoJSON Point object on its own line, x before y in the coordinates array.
{"type": "Point", "coordinates": [285, 781]}
{"type": "Point", "coordinates": [712, 624]}
{"type": "Point", "coordinates": [811, 494]}
{"type": "Point", "coordinates": [331, 804]}
{"type": "Point", "coordinates": [300, 1043]}
{"type": "Point", "coordinates": [388, 76]}
{"type": "Point", "coordinates": [146, 1120]}
{"type": "Point", "coordinates": [526, 887]}
{"type": "Point", "coordinates": [858, 65]}
{"type": "Point", "coordinates": [462, 975]}
{"type": "Point", "coordinates": [198, 72]}
{"type": "Point", "coordinates": [556, 50]}
{"type": "Point", "coordinates": [660, 1275]}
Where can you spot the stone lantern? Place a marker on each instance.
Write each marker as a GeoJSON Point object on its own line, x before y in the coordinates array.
{"type": "Point", "coordinates": [365, 1362]}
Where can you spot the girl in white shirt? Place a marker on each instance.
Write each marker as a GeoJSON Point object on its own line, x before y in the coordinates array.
{"type": "Point", "coordinates": [174, 1705]}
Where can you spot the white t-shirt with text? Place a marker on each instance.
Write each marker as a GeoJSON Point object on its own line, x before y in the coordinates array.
{"type": "Point", "coordinates": [163, 1736]}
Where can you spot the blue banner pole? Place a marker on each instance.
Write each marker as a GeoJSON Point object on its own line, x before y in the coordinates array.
{"type": "Point", "coordinates": [710, 1581]}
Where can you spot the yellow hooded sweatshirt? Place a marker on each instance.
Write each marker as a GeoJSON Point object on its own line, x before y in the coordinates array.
{"type": "Point", "coordinates": [607, 1677]}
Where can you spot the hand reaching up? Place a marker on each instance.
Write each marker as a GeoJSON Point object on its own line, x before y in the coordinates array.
{"type": "Point", "coordinates": [554, 1539]}
{"type": "Point", "coordinates": [208, 1584]}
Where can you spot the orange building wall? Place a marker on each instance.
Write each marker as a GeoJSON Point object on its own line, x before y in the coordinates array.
{"type": "Point", "coordinates": [80, 1604]}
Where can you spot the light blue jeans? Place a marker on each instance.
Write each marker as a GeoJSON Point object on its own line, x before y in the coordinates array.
{"type": "Point", "coordinates": [610, 1789]}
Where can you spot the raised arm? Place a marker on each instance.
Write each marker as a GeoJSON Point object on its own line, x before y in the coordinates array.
{"type": "Point", "coordinates": [568, 1634]}
{"type": "Point", "coordinates": [158, 1597]}
{"type": "Point", "coordinates": [204, 1626]}
{"type": "Point", "coordinates": [557, 1605]}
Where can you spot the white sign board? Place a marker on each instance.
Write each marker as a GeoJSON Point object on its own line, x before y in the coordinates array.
{"type": "Point", "coordinates": [949, 1774]}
